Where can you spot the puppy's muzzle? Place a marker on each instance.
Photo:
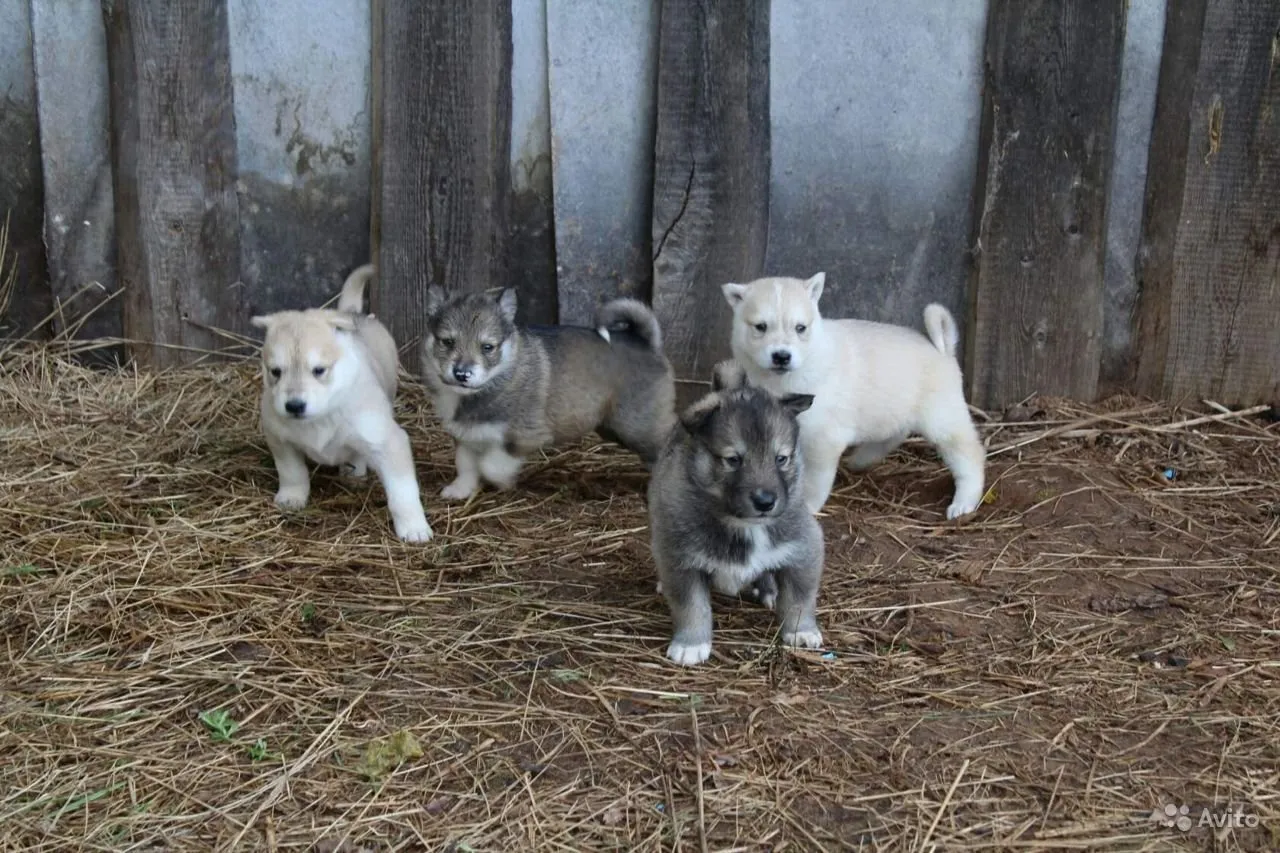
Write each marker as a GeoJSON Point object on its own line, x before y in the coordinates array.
{"type": "Point", "coordinates": [462, 373]}
{"type": "Point", "coordinates": [781, 359]}
{"type": "Point", "coordinates": [764, 500]}
{"type": "Point", "coordinates": [296, 407]}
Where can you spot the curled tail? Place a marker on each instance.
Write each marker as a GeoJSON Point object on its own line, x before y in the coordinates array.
{"type": "Point", "coordinates": [941, 327]}
{"type": "Point", "coordinates": [630, 315]}
{"type": "Point", "coordinates": [352, 299]}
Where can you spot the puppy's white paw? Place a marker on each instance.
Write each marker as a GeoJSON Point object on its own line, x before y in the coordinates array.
{"type": "Point", "coordinates": [356, 473]}
{"type": "Point", "coordinates": [769, 599]}
{"type": "Point", "coordinates": [457, 491]}
{"type": "Point", "coordinates": [289, 499]}
{"type": "Point", "coordinates": [659, 588]}
{"type": "Point", "coordinates": [803, 639]}
{"type": "Point", "coordinates": [415, 530]}
{"type": "Point", "coordinates": [959, 508]}
{"type": "Point", "coordinates": [689, 655]}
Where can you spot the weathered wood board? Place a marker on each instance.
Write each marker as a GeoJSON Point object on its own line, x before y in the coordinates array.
{"type": "Point", "coordinates": [1209, 311]}
{"type": "Point", "coordinates": [174, 147]}
{"type": "Point", "coordinates": [1051, 95]}
{"type": "Point", "coordinates": [443, 153]}
{"type": "Point", "coordinates": [711, 173]}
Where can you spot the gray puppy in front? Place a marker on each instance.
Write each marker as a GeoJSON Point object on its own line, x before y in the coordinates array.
{"type": "Point", "coordinates": [504, 392]}
{"type": "Point", "coordinates": [726, 513]}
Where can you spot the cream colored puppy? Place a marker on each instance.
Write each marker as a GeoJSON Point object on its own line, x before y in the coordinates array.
{"type": "Point", "coordinates": [328, 379]}
{"type": "Point", "coordinates": [873, 384]}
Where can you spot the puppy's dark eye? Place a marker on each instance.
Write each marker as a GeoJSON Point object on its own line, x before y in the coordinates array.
{"type": "Point", "coordinates": [447, 343]}
{"type": "Point", "coordinates": [317, 372]}
{"type": "Point", "coordinates": [733, 461]}
{"type": "Point", "coordinates": [800, 329]}
{"type": "Point", "coordinates": [782, 458]}
{"type": "Point", "coordinates": [762, 327]}
{"type": "Point", "coordinates": [487, 348]}
{"type": "Point", "coordinates": [275, 373]}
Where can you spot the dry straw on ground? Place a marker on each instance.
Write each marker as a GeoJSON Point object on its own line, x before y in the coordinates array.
{"type": "Point", "coordinates": [186, 669]}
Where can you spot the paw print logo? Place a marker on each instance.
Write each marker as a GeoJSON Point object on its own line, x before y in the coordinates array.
{"type": "Point", "coordinates": [1171, 816]}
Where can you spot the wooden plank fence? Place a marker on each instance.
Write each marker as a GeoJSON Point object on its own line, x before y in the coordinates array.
{"type": "Point", "coordinates": [664, 146]}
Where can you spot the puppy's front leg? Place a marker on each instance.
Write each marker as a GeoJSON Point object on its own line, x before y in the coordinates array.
{"type": "Point", "coordinates": [291, 469]}
{"type": "Point", "coordinates": [689, 600]}
{"type": "Point", "coordinates": [798, 603]}
{"type": "Point", "coordinates": [394, 464]}
{"type": "Point", "coordinates": [467, 482]}
{"type": "Point", "coordinates": [821, 461]}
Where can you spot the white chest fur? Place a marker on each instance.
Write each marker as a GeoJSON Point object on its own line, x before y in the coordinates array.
{"type": "Point", "coordinates": [325, 441]}
{"type": "Point", "coordinates": [729, 578]}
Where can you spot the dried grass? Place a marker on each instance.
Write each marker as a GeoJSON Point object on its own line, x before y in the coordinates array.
{"type": "Point", "coordinates": [1096, 642]}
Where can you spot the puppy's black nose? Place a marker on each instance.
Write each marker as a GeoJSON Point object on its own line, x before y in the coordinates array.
{"type": "Point", "coordinates": [763, 500]}
{"type": "Point", "coordinates": [295, 407]}
{"type": "Point", "coordinates": [461, 373]}
{"type": "Point", "coordinates": [781, 358]}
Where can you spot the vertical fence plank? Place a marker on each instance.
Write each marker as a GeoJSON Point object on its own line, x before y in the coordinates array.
{"type": "Point", "coordinates": [1052, 88]}
{"type": "Point", "coordinates": [29, 301]}
{"type": "Point", "coordinates": [444, 153]}
{"type": "Point", "coordinates": [1209, 310]}
{"type": "Point", "coordinates": [711, 172]}
{"type": "Point", "coordinates": [174, 143]}
{"type": "Point", "coordinates": [79, 216]}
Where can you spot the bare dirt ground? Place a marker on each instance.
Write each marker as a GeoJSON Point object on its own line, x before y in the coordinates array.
{"type": "Point", "coordinates": [185, 668]}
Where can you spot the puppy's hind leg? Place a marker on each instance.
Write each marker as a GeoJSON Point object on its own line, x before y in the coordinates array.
{"type": "Point", "coordinates": [954, 436]}
{"type": "Point", "coordinates": [291, 468]}
{"type": "Point", "coordinates": [500, 467]}
{"type": "Point", "coordinates": [394, 464]}
{"type": "Point", "coordinates": [872, 452]}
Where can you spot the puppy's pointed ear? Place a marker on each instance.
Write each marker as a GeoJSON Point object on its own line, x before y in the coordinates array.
{"type": "Point", "coordinates": [695, 418]}
{"type": "Point", "coordinates": [341, 320]}
{"type": "Point", "coordinates": [435, 300]}
{"type": "Point", "coordinates": [262, 321]}
{"type": "Point", "coordinates": [815, 286]}
{"type": "Point", "coordinates": [796, 403]}
{"type": "Point", "coordinates": [728, 375]}
{"type": "Point", "coordinates": [734, 293]}
{"type": "Point", "coordinates": [508, 302]}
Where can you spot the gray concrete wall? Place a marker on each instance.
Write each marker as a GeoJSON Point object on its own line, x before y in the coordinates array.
{"type": "Point", "coordinates": [20, 185]}
{"type": "Point", "coordinates": [301, 76]}
{"type": "Point", "coordinates": [70, 50]}
{"type": "Point", "coordinates": [531, 261]}
{"type": "Point", "coordinates": [603, 79]}
{"type": "Point", "coordinates": [875, 110]}
{"type": "Point", "coordinates": [1139, 76]}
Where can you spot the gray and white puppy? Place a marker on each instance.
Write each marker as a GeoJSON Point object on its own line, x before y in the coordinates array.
{"type": "Point", "coordinates": [503, 391]}
{"type": "Point", "coordinates": [726, 513]}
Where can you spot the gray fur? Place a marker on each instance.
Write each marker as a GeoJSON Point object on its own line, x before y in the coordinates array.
{"type": "Point", "coordinates": [531, 388]}
{"type": "Point", "coordinates": [707, 532]}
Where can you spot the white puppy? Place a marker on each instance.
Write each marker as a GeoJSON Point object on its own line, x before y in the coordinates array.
{"type": "Point", "coordinates": [873, 384]}
{"type": "Point", "coordinates": [328, 379]}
